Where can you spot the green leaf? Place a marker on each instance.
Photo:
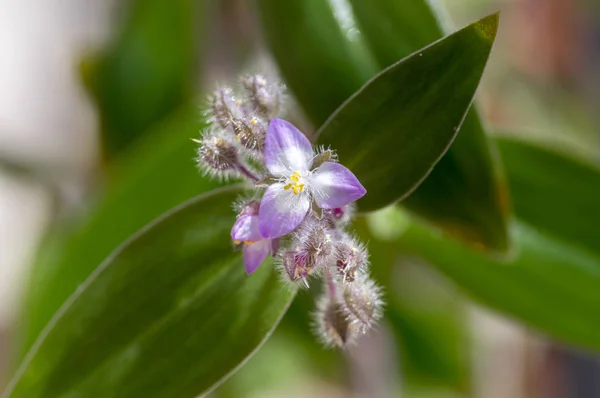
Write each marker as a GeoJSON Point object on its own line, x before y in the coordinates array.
{"type": "Point", "coordinates": [392, 131]}
{"type": "Point", "coordinates": [419, 303]}
{"type": "Point", "coordinates": [161, 169]}
{"type": "Point", "coordinates": [475, 201]}
{"type": "Point", "coordinates": [320, 61]}
{"type": "Point", "coordinates": [555, 192]}
{"type": "Point", "coordinates": [148, 71]}
{"type": "Point", "coordinates": [169, 314]}
{"type": "Point", "coordinates": [549, 284]}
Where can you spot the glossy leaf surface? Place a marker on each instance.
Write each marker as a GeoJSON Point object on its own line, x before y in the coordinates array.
{"type": "Point", "coordinates": [158, 175]}
{"type": "Point", "coordinates": [393, 130]}
{"type": "Point", "coordinates": [465, 193]}
{"type": "Point", "coordinates": [169, 313]}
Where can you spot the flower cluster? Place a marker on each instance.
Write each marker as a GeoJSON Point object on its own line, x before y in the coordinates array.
{"type": "Point", "coordinates": [301, 209]}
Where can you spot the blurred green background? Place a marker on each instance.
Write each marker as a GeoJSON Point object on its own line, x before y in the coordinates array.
{"type": "Point", "coordinates": [99, 99]}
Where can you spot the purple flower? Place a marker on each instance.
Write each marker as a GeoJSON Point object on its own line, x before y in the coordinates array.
{"type": "Point", "coordinates": [256, 248]}
{"type": "Point", "coordinates": [288, 157]}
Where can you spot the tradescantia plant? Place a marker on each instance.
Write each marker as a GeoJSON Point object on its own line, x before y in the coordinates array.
{"type": "Point", "coordinates": [304, 204]}
{"type": "Point", "coordinates": [165, 291]}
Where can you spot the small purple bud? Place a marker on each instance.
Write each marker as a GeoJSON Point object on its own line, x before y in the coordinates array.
{"type": "Point", "coordinates": [339, 217]}
{"type": "Point", "coordinates": [247, 207]}
{"type": "Point", "coordinates": [296, 266]}
{"type": "Point", "coordinates": [351, 256]}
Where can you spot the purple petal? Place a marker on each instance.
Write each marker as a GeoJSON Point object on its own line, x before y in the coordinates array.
{"type": "Point", "coordinates": [255, 253]}
{"type": "Point", "coordinates": [286, 149]}
{"type": "Point", "coordinates": [281, 211]}
{"type": "Point", "coordinates": [333, 186]}
{"type": "Point", "coordinates": [246, 229]}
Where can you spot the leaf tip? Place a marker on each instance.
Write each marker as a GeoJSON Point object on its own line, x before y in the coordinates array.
{"type": "Point", "coordinates": [488, 26]}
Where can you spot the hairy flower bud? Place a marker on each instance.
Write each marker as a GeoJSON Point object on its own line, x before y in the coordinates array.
{"type": "Point", "coordinates": [250, 133]}
{"type": "Point", "coordinates": [295, 266]}
{"type": "Point", "coordinates": [217, 155]}
{"type": "Point", "coordinates": [361, 303]}
{"type": "Point", "coordinates": [331, 324]}
{"type": "Point", "coordinates": [223, 107]}
{"type": "Point", "coordinates": [351, 256]}
{"type": "Point", "coordinates": [247, 207]}
{"type": "Point", "coordinates": [313, 239]}
{"type": "Point", "coordinates": [341, 216]}
{"type": "Point", "coordinates": [264, 97]}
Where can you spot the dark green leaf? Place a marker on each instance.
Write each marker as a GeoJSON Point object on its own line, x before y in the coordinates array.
{"type": "Point", "coordinates": [392, 131]}
{"type": "Point", "coordinates": [148, 71]}
{"type": "Point", "coordinates": [157, 176]}
{"type": "Point", "coordinates": [549, 284]}
{"type": "Point", "coordinates": [169, 314]}
{"type": "Point", "coordinates": [555, 192]}
{"type": "Point", "coordinates": [320, 62]}
{"type": "Point", "coordinates": [474, 203]}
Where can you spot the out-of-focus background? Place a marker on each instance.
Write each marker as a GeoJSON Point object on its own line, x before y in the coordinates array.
{"type": "Point", "coordinates": [542, 79]}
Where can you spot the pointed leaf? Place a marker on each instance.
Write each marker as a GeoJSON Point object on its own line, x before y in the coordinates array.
{"type": "Point", "coordinates": [170, 313]}
{"type": "Point", "coordinates": [393, 130]}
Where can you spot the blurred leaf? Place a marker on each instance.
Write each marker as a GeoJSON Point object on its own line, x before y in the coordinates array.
{"type": "Point", "coordinates": [418, 307]}
{"type": "Point", "coordinates": [392, 131]}
{"type": "Point", "coordinates": [554, 192]}
{"type": "Point", "coordinates": [319, 61]}
{"type": "Point", "coordinates": [148, 71]}
{"type": "Point", "coordinates": [475, 202]}
{"type": "Point", "coordinates": [168, 314]}
{"type": "Point", "coordinates": [549, 284]}
{"type": "Point", "coordinates": [158, 175]}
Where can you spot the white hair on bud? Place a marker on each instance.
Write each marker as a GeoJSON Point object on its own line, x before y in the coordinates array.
{"type": "Point", "coordinates": [362, 303]}
{"type": "Point", "coordinates": [262, 96]}
{"type": "Point", "coordinates": [217, 155]}
{"type": "Point", "coordinates": [331, 325]}
{"type": "Point", "coordinates": [315, 240]}
{"type": "Point", "coordinates": [351, 257]}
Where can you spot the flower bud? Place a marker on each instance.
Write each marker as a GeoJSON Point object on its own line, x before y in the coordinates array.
{"type": "Point", "coordinates": [361, 303]}
{"type": "Point", "coordinates": [351, 256]}
{"type": "Point", "coordinates": [313, 240]}
{"type": "Point", "coordinates": [341, 216]}
{"type": "Point", "coordinates": [246, 207]}
{"type": "Point", "coordinates": [223, 107]}
{"type": "Point", "coordinates": [331, 325]}
{"type": "Point", "coordinates": [250, 133]}
{"type": "Point", "coordinates": [263, 97]}
{"type": "Point", "coordinates": [295, 265]}
{"type": "Point", "coordinates": [217, 155]}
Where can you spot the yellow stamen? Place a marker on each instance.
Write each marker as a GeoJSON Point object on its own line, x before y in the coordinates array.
{"type": "Point", "coordinates": [295, 185]}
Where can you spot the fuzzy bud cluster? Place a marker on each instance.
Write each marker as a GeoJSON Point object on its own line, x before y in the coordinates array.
{"type": "Point", "coordinates": [306, 207]}
{"type": "Point", "coordinates": [238, 119]}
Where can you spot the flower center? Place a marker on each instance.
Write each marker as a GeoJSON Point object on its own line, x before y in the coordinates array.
{"type": "Point", "coordinates": [294, 183]}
